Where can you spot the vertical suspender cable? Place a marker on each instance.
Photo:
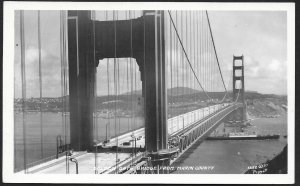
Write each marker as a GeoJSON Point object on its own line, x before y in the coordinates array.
{"type": "Point", "coordinates": [161, 52]}
{"type": "Point", "coordinates": [127, 76]}
{"type": "Point", "coordinates": [108, 82]}
{"type": "Point", "coordinates": [118, 86]}
{"type": "Point", "coordinates": [115, 83]}
{"type": "Point", "coordinates": [40, 81]}
{"type": "Point", "coordinates": [173, 69]}
{"type": "Point", "coordinates": [135, 88]}
{"type": "Point", "coordinates": [206, 63]}
{"type": "Point", "coordinates": [203, 54]}
{"type": "Point", "coordinates": [115, 87]}
{"type": "Point", "coordinates": [197, 49]}
{"type": "Point", "coordinates": [66, 80]}
{"type": "Point", "coordinates": [131, 80]}
{"type": "Point", "coordinates": [187, 46]}
{"type": "Point", "coordinates": [194, 38]}
{"type": "Point", "coordinates": [93, 18]}
{"type": "Point", "coordinates": [171, 62]}
{"type": "Point", "coordinates": [23, 78]}
{"type": "Point", "coordinates": [156, 59]}
{"type": "Point", "coordinates": [15, 127]}
{"type": "Point", "coordinates": [62, 67]}
{"type": "Point", "coordinates": [177, 52]}
{"type": "Point", "coordinates": [64, 77]}
{"type": "Point", "coordinates": [94, 71]}
{"type": "Point", "coordinates": [66, 74]}
{"type": "Point", "coordinates": [190, 51]}
{"type": "Point", "coordinates": [144, 61]}
{"type": "Point", "coordinates": [181, 53]}
{"type": "Point", "coordinates": [209, 67]}
{"type": "Point", "coordinates": [180, 56]}
{"type": "Point", "coordinates": [202, 49]}
{"type": "Point", "coordinates": [193, 49]}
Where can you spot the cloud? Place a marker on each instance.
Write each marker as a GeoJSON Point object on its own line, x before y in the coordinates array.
{"type": "Point", "coordinates": [268, 76]}
{"type": "Point", "coordinates": [274, 65]}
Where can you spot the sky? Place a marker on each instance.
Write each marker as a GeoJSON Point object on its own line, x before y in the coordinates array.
{"type": "Point", "coordinates": [261, 36]}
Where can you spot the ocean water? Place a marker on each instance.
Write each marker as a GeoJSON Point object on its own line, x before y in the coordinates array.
{"type": "Point", "coordinates": [234, 157]}
{"type": "Point", "coordinates": [41, 144]}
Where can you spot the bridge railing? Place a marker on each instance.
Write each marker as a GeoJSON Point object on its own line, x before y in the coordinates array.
{"type": "Point", "coordinates": [181, 122]}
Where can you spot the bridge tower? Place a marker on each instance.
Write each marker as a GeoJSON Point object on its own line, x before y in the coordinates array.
{"type": "Point", "coordinates": [238, 90]}
{"type": "Point", "coordinates": [81, 79]}
{"type": "Point", "coordinates": [90, 41]}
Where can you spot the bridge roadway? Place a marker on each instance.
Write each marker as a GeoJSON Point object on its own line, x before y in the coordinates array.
{"type": "Point", "coordinates": [182, 125]}
{"type": "Point", "coordinates": [176, 125]}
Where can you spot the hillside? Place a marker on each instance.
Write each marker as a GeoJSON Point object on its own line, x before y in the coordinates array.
{"type": "Point", "coordinates": [264, 106]}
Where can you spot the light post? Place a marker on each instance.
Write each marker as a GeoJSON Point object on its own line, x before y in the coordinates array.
{"type": "Point", "coordinates": [58, 145]}
{"type": "Point", "coordinates": [134, 139]}
{"type": "Point", "coordinates": [107, 126]}
{"type": "Point", "coordinates": [134, 146]}
{"type": "Point", "coordinates": [106, 132]}
{"type": "Point", "coordinates": [76, 163]}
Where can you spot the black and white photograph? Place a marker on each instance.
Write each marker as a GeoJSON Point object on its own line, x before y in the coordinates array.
{"type": "Point", "coordinates": [179, 92]}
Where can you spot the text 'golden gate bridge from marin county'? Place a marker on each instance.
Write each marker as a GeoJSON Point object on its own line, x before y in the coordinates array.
{"type": "Point", "coordinates": [161, 85]}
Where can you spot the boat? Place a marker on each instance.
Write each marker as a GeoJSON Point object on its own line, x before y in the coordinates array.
{"type": "Point", "coordinates": [243, 136]}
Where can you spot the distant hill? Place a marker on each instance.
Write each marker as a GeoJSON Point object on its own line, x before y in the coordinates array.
{"type": "Point", "coordinates": [176, 91]}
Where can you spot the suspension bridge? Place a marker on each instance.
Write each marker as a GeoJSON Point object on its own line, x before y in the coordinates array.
{"type": "Point", "coordinates": [157, 52]}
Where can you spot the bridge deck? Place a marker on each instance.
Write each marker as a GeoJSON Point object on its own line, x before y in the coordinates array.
{"type": "Point", "coordinates": [178, 125]}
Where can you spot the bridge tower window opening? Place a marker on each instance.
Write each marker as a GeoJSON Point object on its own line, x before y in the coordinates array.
{"type": "Point", "coordinates": [238, 73]}
{"type": "Point", "coordinates": [129, 100]}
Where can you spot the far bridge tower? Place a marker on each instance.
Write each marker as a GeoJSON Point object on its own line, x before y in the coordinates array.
{"type": "Point", "coordinates": [238, 90]}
